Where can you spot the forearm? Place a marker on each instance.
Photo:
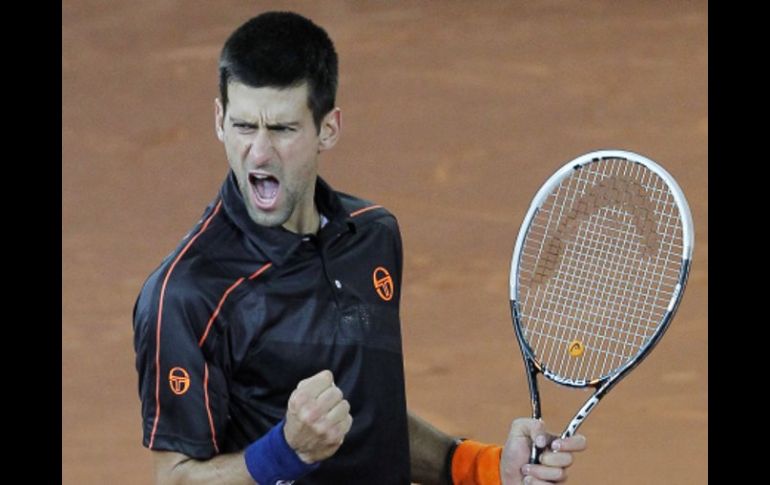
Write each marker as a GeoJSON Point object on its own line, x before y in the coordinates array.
{"type": "Point", "coordinates": [177, 469]}
{"type": "Point", "coordinates": [427, 448]}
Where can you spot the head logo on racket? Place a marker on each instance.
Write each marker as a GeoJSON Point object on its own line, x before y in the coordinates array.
{"type": "Point", "coordinates": [621, 197]}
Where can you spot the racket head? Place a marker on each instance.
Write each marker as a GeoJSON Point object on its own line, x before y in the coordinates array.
{"type": "Point", "coordinates": [599, 266]}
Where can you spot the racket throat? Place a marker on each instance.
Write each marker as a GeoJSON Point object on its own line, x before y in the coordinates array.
{"type": "Point", "coordinates": [579, 417]}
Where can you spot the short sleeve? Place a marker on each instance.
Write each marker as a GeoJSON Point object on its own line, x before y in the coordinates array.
{"type": "Point", "coordinates": [184, 395]}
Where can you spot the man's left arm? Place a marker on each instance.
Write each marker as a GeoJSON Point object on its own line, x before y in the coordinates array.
{"type": "Point", "coordinates": [428, 448]}
{"type": "Point", "coordinates": [482, 464]}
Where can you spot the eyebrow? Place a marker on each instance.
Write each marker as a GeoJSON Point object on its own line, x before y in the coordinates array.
{"type": "Point", "coordinates": [277, 124]}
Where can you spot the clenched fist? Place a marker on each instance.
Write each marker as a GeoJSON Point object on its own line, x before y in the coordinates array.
{"type": "Point", "coordinates": [317, 419]}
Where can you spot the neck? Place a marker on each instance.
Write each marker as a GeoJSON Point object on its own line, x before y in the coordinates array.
{"type": "Point", "coordinates": [306, 219]}
{"type": "Point", "coordinates": [307, 222]}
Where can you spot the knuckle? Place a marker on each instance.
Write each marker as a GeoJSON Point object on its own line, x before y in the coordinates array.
{"type": "Point", "coordinates": [320, 428]}
{"type": "Point", "coordinates": [298, 398]}
{"type": "Point", "coordinates": [336, 435]}
{"type": "Point", "coordinates": [308, 415]}
{"type": "Point", "coordinates": [303, 416]}
{"type": "Point", "coordinates": [326, 376]}
{"type": "Point", "coordinates": [332, 439]}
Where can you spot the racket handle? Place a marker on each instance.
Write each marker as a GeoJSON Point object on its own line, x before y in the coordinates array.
{"type": "Point", "coordinates": [534, 454]}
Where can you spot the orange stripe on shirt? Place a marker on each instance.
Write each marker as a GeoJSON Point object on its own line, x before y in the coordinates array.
{"type": "Point", "coordinates": [216, 312]}
{"type": "Point", "coordinates": [224, 297]}
{"type": "Point", "coordinates": [208, 406]}
{"type": "Point", "coordinates": [365, 209]}
{"type": "Point", "coordinates": [160, 321]}
{"type": "Point", "coordinates": [260, 271]}
{"type": "Point", "coordinates": [203, 339]}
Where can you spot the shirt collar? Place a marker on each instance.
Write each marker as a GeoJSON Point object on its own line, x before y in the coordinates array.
{"type": "Point", "coordinates": [276, 243]}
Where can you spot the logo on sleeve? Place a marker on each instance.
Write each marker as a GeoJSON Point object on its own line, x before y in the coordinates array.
{"type": "Point", "coordinates": [383, 283]}
{"type": "Point", "coordinates": [179, 380]}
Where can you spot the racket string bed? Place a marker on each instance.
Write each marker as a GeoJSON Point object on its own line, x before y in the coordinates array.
{"type": "Point", "coordinates": [595, 268]}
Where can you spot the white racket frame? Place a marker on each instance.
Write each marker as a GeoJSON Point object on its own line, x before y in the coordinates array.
{"type": "Point", "coordinates": [602, 385]}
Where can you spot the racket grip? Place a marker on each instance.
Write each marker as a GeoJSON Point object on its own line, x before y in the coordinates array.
{"type": "Point", "coordinates": [534, 454]}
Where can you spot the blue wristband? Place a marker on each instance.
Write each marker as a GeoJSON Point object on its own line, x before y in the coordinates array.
{"type": "Point", "coordinates": [270, 459]}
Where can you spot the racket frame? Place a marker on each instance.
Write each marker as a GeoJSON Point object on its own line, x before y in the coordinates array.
{"type": "Point", "coordinates": [602, 385]}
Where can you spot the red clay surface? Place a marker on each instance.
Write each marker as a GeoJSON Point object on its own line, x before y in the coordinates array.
{"type": "Point", "coordinates": [454, 113]}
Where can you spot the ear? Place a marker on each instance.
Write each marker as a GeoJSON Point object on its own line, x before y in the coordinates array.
{"type": "Point", "coordinates": [219, 119]}
{"type": "Point", "coordinates": [330, 130]}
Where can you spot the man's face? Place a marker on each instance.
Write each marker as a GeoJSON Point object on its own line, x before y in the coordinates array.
{"type": "Point", "coordinates": [272, 146]}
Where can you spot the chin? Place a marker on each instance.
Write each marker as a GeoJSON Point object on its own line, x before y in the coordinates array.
{"type": "Point", "coordinates": [271, 219]}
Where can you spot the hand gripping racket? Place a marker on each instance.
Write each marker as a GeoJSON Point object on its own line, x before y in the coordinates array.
{"type": "Point", "coordinates": [598, 270]}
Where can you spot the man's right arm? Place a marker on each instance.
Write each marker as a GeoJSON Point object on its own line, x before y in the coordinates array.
{"type": "Point", "coordinates": [173, 468]}
{"type": "Point", "coordinates": [317, 420]}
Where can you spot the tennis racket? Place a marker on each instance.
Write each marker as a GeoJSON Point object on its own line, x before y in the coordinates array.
{"type": "Point", "coordinates": [597, 273]}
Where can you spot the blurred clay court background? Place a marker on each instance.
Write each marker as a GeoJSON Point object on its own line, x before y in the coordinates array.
{"type": "Point", "coordinates": [454, 114]}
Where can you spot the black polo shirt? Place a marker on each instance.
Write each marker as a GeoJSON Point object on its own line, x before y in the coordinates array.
{"type": "Point", "coordinates": [239, 313]}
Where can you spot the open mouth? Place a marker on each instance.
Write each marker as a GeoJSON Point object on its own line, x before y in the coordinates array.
{"type": "Point", "coordinates": [265, 189]}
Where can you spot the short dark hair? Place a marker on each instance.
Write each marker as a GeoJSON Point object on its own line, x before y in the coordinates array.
{"type": "Point", "coordinates": [281, 50]}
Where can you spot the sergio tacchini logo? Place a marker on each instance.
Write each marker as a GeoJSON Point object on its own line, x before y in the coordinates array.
{"type": "Point", "coordinates": [178, 380]}
{"type": "Point", "coordinates": [383, 283]}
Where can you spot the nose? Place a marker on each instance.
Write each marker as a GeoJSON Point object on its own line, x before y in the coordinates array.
{"type": "Point", "coordinates": [260, 150]}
